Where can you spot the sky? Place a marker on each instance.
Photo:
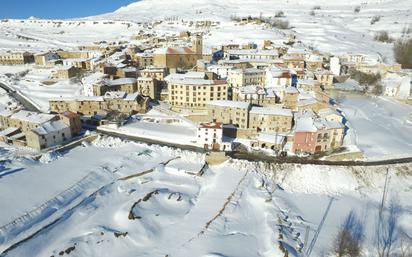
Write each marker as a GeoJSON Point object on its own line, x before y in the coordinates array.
{"type": "Point", "coordinates": [57, 9]}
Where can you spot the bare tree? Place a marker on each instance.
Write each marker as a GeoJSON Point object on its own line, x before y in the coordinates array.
{"type": "Point", "coordinates": [387, 229]}
{"type": "Point", "coordinates": [349, 240]}
{"type": "Point", "coordinates": [405, 245]}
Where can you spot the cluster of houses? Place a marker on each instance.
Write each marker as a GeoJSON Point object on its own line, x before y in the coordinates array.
{"type": "Point", "coordinates": [273, 97]}
{"type": "Point", "coordinates": [38, 130]}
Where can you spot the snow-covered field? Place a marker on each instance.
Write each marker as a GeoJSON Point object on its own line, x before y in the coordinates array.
{"type": "Point", "coordinates": [380, 127]}
{"type": "Point", "coordinates": [150, 202]}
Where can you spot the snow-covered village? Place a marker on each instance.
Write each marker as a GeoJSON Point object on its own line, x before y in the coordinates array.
{"type": "Point", "coordinates": [207, 129]}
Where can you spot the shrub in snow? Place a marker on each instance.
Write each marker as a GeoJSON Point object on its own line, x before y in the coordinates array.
{"type": "Point", "coordinates": [403, 52]}
{"type": "Point", "coordinates": [407, 30]}
{"type": "Point", "coordinates": [350, 236]}
{"type": "Point", "coordinates": [366, 78]}
{"type": "Point", "coordinates": [312, 13]}
{"type": "Point", "coordinates": [375, 19]}
{"type": "Point", "coordinates": [316, 7]}
{"type": "Point", "coordinates": [357, 9]}
{"type": "Point", "coordinates": [383, 36]}
{"type": "Point", "coordinates": [280, 24]}
{"type": "Point", "coordinates": [280, 14]}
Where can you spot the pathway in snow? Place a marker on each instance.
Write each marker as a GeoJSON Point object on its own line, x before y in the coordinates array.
{"type": "Point", "coordinates": [215, 191]}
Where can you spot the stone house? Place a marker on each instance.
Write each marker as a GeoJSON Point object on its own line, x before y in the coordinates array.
{"type": "Point", "coordinates": [325, 78]}
{"type": "Point", "coordinates": [48, 134]}
{"type": "Point", "coordinates": [73, 120]}
{"type": "Point", "coordinates": [270, 119]}
{"type": "Point", "coordinates": [229, 112]}
{"type": "Point", "coordinates": [148, 87]}
{"type": "Point", "coordinates": [92, 105]}
{"type": "Point", "coordinates": [185, 92]}
{"type": "Point", "coordinates": [144, 60]}
{"type": "Point", "coordinates": [278, 77]}
{"type": "Point", "coordinates": [290, 99]}
{"type": "Point", "coordinates": [255, 95]}
{"type": "Point", "coordinates": [67, 72]}
{"type": "Point", "coordinates": [16, 58]}
{"type": "Point", "coordinates": [128, 85]}
{"type": "Point", "coordinates": [309, 85]}
{"type": "Point", "coordinates": [43, 59]}
{"type": "Point", "coordinates": [245, 77]}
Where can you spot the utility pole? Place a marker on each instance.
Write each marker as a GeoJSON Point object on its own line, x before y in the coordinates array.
{"type": "Point", "coordinates": [315, 237]}
{"type": "Point", "coordinates": [382, 206]}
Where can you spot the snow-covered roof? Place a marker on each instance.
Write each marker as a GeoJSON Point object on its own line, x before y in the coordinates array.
{"type": "Point", "coordinates": [253, 52]}
{"type": "Point", "coordinates": [8, 131]}
{"type": "Point", "coordinates": [308, 101]}
{"type": "Point", "coordinates": [33, 117]}
{"type": "Point", "coordinates": [247, 70]}
{"type": "Point", "coordinates": [297, 51]}
{"type": "Point", "coordinates": [202, 82]}
{"type": "Point", "coordinates": [307, 113]}
{"type": "Point", "coordinates": [114, 95]}
{"type": "Point", "coordinates": [18, 136]}
{"type": "Point", "coordinates": [130, 69]}
{"type": "Point", "coordinates": [291, 90]}
{"type": "Point", "coordinates": [305, 125]}
{"type": "Point", "coordinates": [325, 124]}
{"type": "Point", "coordinates": [195, 75]}
{"type": "Point", "coordinates": [251, 89]}
{"type": "Point", "coordinates": [145, 54]}
{"type": "Point", "coordinates": [323, 72]}
{"type": "Point", "coordinates": [50, 127]}
{"type": "Point", "coordinates": [271, 111]}
{"type": "Point", "coordinates": [131, 97]}
{"type": "Point", "coordinates": [314, 58]}
{"type": "Point", "coordinates": [228, 103]}
{"type": "Point", "coordinates": [175, 50]}
{"type": "Point", "coordinates": [271, 138]}
{"type": "Point", "coordinates": [65, 67]}
{"type": "Point", "coordinates": [144, 79]}
{"type": "Point", "coordinates": [78, 98]}
{"type": "Point", "coordinates": [308, 82]}
{"type": "Point", "coordinates": [278, 73]}
{"type": "Point", "coordinates": [327, 111]}
{"type": "Point", "coordinates": [71, 60]}
{"type": "Point", "coordinates": [120, 81]}
{"type": "Point", "coordinates": [6, 113]}
{"type": "Point", "coordinates": [192, 78]}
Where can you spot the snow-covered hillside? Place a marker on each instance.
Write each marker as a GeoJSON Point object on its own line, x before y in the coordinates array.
{"type": "Point", "coordinates": [42, 35]}
{"type": "Point", "coordinates": [335, 27]}
{"type": "Point", "coordinates": [156, 201]}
